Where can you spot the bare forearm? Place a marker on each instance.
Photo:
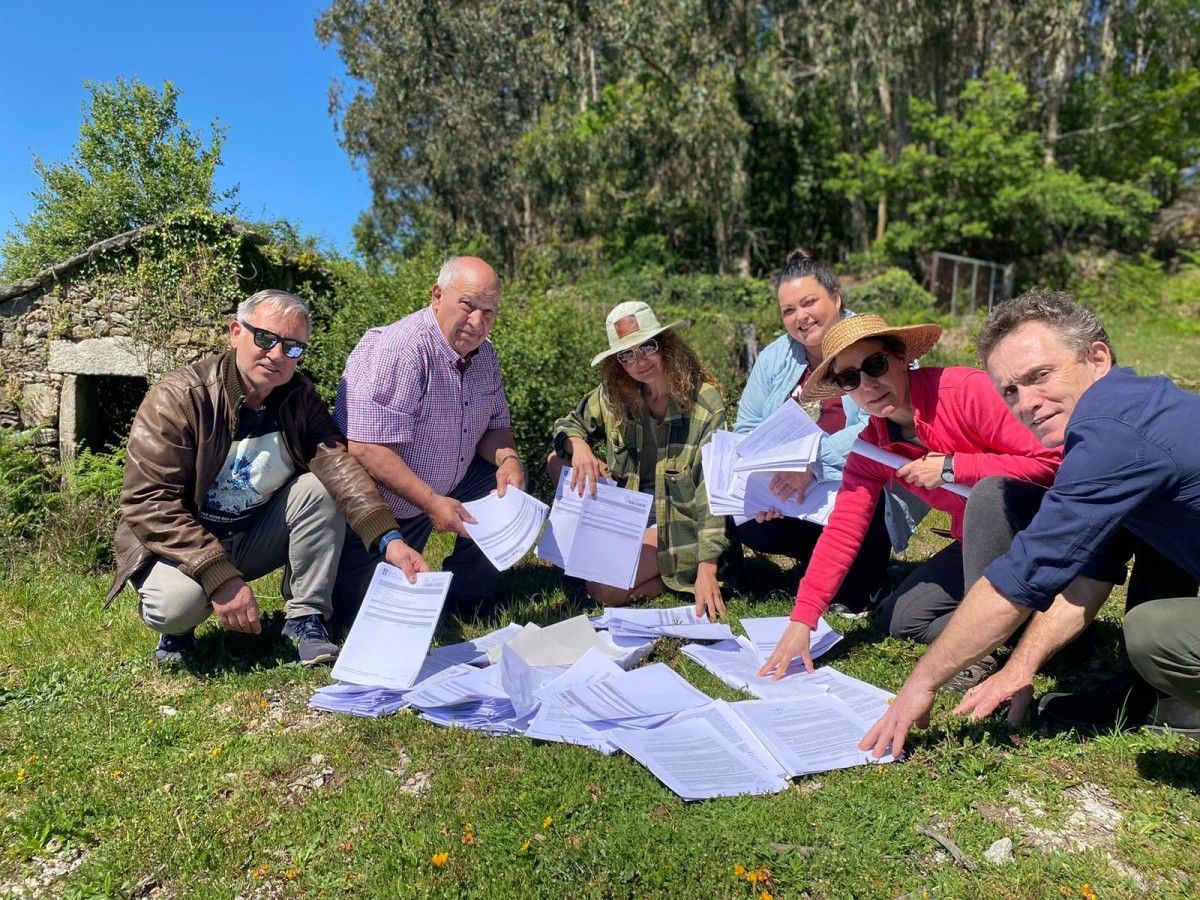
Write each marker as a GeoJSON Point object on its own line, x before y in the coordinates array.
{"type": "Point", "coordinates": [495, 444]}
{"type": "Point", "coordinates": [1050, 631]}
{"type": "Point", "coordinates": [981, 623]}
{"type": "Point", "coordinates": [386, 467]}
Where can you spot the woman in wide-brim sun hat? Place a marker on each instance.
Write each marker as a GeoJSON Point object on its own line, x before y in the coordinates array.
{"type": "Point", "coordinates": [654, 409]}
{"type": "Point", "coordinates": [954, 429]}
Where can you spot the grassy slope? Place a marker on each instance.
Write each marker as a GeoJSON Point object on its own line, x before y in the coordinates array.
{"type": "Point", "coordinates": [221, 783]}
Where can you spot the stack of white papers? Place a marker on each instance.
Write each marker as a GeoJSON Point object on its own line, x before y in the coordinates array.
{"type": "Point", "coordinates": [596, 538]}
{"type": "Point", "coordinates": [677, 622]}
{"type": "Point", "coordinates": [388, 641]}
{"type": "Point", "coordinates": [506, 527]}
{"type": "Point", "coordinates": [738, 468]}
{"type": "Point", "coordinates": [698, 747]}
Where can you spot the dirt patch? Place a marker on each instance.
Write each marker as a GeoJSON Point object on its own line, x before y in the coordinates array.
{"type": "Point", "coordinates": [1091, 822]}
{"type": "Point", "coordinates": [43, 873]}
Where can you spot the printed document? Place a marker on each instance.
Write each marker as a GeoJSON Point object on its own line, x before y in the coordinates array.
{"type": "Point", "coordinates": [555, 543]}
{"type": "Point", "coordinates": [808, 734]}
{"type": "Point", "coordinates": [506, 527]}
{"type": "Point", "coordinates": [607, 543]}
{"type": "Point", "coordinates": [389, 639]}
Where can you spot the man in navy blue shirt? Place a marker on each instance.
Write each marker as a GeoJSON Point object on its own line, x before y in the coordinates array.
{"type": "Point", "coordinates": [1130, 472]}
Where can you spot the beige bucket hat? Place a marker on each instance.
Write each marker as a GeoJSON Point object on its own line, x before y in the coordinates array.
{"type": "Point", "coordinates": [917, 339]}
{"type": "Point", "coordinates": [629, 324]}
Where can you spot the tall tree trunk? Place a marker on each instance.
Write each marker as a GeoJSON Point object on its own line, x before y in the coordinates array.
{"type": "Point", "coordinates": [888, 148]}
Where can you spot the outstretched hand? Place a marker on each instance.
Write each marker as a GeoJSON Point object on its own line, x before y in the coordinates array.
{"type": "Point", "coordinates": [1012, 687]}
{"type": "Point", "coordinates": [795, 642]}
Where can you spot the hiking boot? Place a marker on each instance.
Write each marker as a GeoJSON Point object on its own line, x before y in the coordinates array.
{"type": "Point", "coordinates": [313, 644]}
{"type": "Point", "coordinates": [972, 675]}
{"type": "Point", "coordinates": [176, 649]}
{"type": "Point", "coordinates": [1125, 708]}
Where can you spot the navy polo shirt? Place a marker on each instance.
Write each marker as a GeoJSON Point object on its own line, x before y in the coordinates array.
{"type": "Point", "coordinates": [1131, 460]}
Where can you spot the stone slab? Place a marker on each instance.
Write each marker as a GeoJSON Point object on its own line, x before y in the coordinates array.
{"type": "Point", "coordinates": [98, 356]}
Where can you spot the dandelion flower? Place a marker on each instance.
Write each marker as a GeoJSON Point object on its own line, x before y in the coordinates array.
{"type": "Point", "coordinates": [548, 821]}
{"type": "Point", "coordinates": [752, 877]}
{"type": "Point", "coordinates": [766, 895]}
{"type": "Point", "coordinates": [263, 704]}
{"type": "Point", "coordinates": [1087, 892]}
{"type": "Point", "coordinates": [291, 874]}
{"type": "Point", "coordinates": [525, 847]}
{"type": "Point", "coordinates": [440, 859]}
{"type": "Point", "coordinates": [117, 773]}
{"type": "Point", "coordinates": [214, 752]}
{"type": "Point", "coordinates": [21, 776]}
{"type": "Point", "coordinates": [739, 870]}
{"type": "Point", "coordinates": [261, 871]}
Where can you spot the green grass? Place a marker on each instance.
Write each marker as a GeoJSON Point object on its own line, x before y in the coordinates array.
{"type": "Point", "coordinates": [221, 783]}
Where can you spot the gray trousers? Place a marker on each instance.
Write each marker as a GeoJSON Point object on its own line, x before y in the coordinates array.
{"type": "Point", "coordinates": [997, 510]}
{"type": "Point", "coordinates": [1162, 638]}
{"type": "Point", "coordinates": [300, 528]}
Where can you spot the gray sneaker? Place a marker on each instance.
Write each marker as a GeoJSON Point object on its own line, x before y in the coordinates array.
{"type": "Point", "coordinates": [972, 675]}
{"type": "Point", "coordinates": [312, 640]}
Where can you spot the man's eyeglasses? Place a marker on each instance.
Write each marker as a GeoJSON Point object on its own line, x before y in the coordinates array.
{"type": "Point", "coordinates": [292, 348]}
{"type": "Point", "coordinates": [849, 379]}
{"type": "Point", "coordinates": [647, 348]}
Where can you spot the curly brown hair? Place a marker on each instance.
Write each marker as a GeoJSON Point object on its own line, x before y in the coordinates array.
{"type": "Point", "coordinates": [681, 367]}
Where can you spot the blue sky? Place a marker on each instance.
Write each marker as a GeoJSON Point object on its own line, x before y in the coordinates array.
{"type": "Point", "coordinates": [255, 66]}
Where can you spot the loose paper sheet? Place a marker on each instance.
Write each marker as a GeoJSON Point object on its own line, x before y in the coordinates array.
{"type": "Point", "coordinates": [607, 543]}
{"type": "Point", "coordinates": [506, 527]}
{"type": "Point", "coordinates": [390, 637]}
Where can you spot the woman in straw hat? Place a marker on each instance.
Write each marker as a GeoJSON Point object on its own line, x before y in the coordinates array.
{"type": "Point", "coordinates": [954, 429]}
{"type": "Point", "coordinates": [654, 408]}
{"type": "Point", "coordinates": [810, 303]}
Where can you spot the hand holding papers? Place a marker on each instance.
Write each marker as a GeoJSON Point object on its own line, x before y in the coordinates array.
{"type": "Point", "coordinates": [388, 641]}
{"type": "Point", "coordinates": [505, 527]}
{"type": "Point", "coordinates": [895, 461]}
{"type": "Point", "coordinates": [556, 540]}
{"type": "Point", "coordinates": [785, 441]}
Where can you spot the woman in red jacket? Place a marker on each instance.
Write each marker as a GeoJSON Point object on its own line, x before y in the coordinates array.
{"type": "Point", "coordinates": [953, 428]}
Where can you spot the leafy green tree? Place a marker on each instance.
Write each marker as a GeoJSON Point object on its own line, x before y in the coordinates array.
{"type": "Point", "coordinates": [135, 163]}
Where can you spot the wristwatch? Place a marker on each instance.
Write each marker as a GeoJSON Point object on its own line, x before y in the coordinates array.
{"type": "Point", "coordinates": [948, 469]}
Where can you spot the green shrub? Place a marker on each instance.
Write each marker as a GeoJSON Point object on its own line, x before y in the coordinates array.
{"type": "Point", "coordinates": [896, 296]}
{"type": "Point", "coordinates": [28, 489]}
{"type": "Point", "coordinates": [80, 527]}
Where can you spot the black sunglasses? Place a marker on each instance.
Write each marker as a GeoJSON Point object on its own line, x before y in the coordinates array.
{"type": "Point", "coordinates": [849, 379]}
{"type": "Point", "coordinates": [292, 348]}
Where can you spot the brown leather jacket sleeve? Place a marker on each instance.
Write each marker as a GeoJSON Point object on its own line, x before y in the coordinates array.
{"type": "Point", "coordinates": [348, 483]}
{"type": "Point", "coordinates": [160, 476]}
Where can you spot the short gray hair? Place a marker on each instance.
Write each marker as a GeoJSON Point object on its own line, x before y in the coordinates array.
{"type": "Point", "coordinates": [450, 270]}
{"type": "Point", "coordinates": [1076, 325]}
{"type": "Point", "coordinates": [288, 304]}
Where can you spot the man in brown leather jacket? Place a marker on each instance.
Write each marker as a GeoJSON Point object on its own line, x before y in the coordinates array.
{"type": "Point", "coordinates": [234, 469]}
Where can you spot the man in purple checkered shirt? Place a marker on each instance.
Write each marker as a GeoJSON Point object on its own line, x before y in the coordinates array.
{"type": "Point", "coordinates": [422, 405]}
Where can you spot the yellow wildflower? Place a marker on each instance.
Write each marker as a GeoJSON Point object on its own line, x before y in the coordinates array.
{"type": "Point", "coordinates": [117, 773]}
{"type": "Point", "coordinates": [214, 752]}
{"type": "Point", "coordinates": [32, 759]}
{"type": "Point", "coordinates": [752, 877]}
{"type": "Point", "coordinates": [440, 859]}
{"type": "Point", "coordinates": [766, 895]}
{"type": "Point", "coordinates": [21, 776]}
{"type": "Point", "coordinates": [291, 874]}
{"type": "Point", "coordinates": [468, 837]}
{"type": "Point", "coordinates": [525, 847]}
{"type": "Point", "coordinates": [548, 821]}
{"type": "Point", "coordinates": [261, 871]}
{"type": "Point", "coordinates": [739, 870]}
{"type": "Point", "coordinates": [1087, 892]}
{"type": "Point", "coordinates": [263, 704]}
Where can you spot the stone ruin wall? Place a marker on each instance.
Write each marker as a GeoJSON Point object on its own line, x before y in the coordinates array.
{"type": "Point", "coordinates": [54, 336]}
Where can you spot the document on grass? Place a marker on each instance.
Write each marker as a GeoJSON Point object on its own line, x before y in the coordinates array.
{"type": "Point", "coordinates": [808, 734]}
{"type": "Point", "coordinates": [697, 762]}
{"type": "Point", "coordinates": [390, 637]}
{"type": "Point", "coordinates": [895, 461]}
{"type": "Point", "coordinates": [556, 540]}
{"type": "Point", "coordinates": [678, 622]}
{"type": "Point", "coordinates": [736, 664]}
{"type": "Point", "coordinates": [785, 440]}
{"type": "Point", "coordinates": [864, 698]}
{"type": "Point", "coordinates": [607, 543]}
{"type": "Point", "coordinates": [766, 632]}
{"type": "Point", "coordinates": [642, 697]}
{"type": "Point", "coordinates": [506, 527]}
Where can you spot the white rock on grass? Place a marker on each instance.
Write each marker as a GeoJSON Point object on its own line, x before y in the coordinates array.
{"type": "Point", "coordinates": [1000, 853]}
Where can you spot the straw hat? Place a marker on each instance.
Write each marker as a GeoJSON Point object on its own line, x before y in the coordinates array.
{"type": "Point", "coordinates": [917, 339]}
{"type": "Point", "coordinates": [629, 324]}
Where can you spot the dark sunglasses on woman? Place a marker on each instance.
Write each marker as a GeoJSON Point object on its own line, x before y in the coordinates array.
{"type": "Point", "coordinates": [849, 379]}
{"type": "Point", "coordinates": [265, 340]}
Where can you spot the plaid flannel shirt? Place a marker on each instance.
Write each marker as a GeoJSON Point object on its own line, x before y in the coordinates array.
{"type": "Point", "coordinates": [688, 533]}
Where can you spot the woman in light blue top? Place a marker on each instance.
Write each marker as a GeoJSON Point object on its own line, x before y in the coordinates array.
{"type": "Point", "coordinates": [810, 302]}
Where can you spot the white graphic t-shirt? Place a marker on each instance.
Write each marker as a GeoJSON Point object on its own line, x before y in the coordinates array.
{"type": "Point", "coordinates": [258, 464]}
